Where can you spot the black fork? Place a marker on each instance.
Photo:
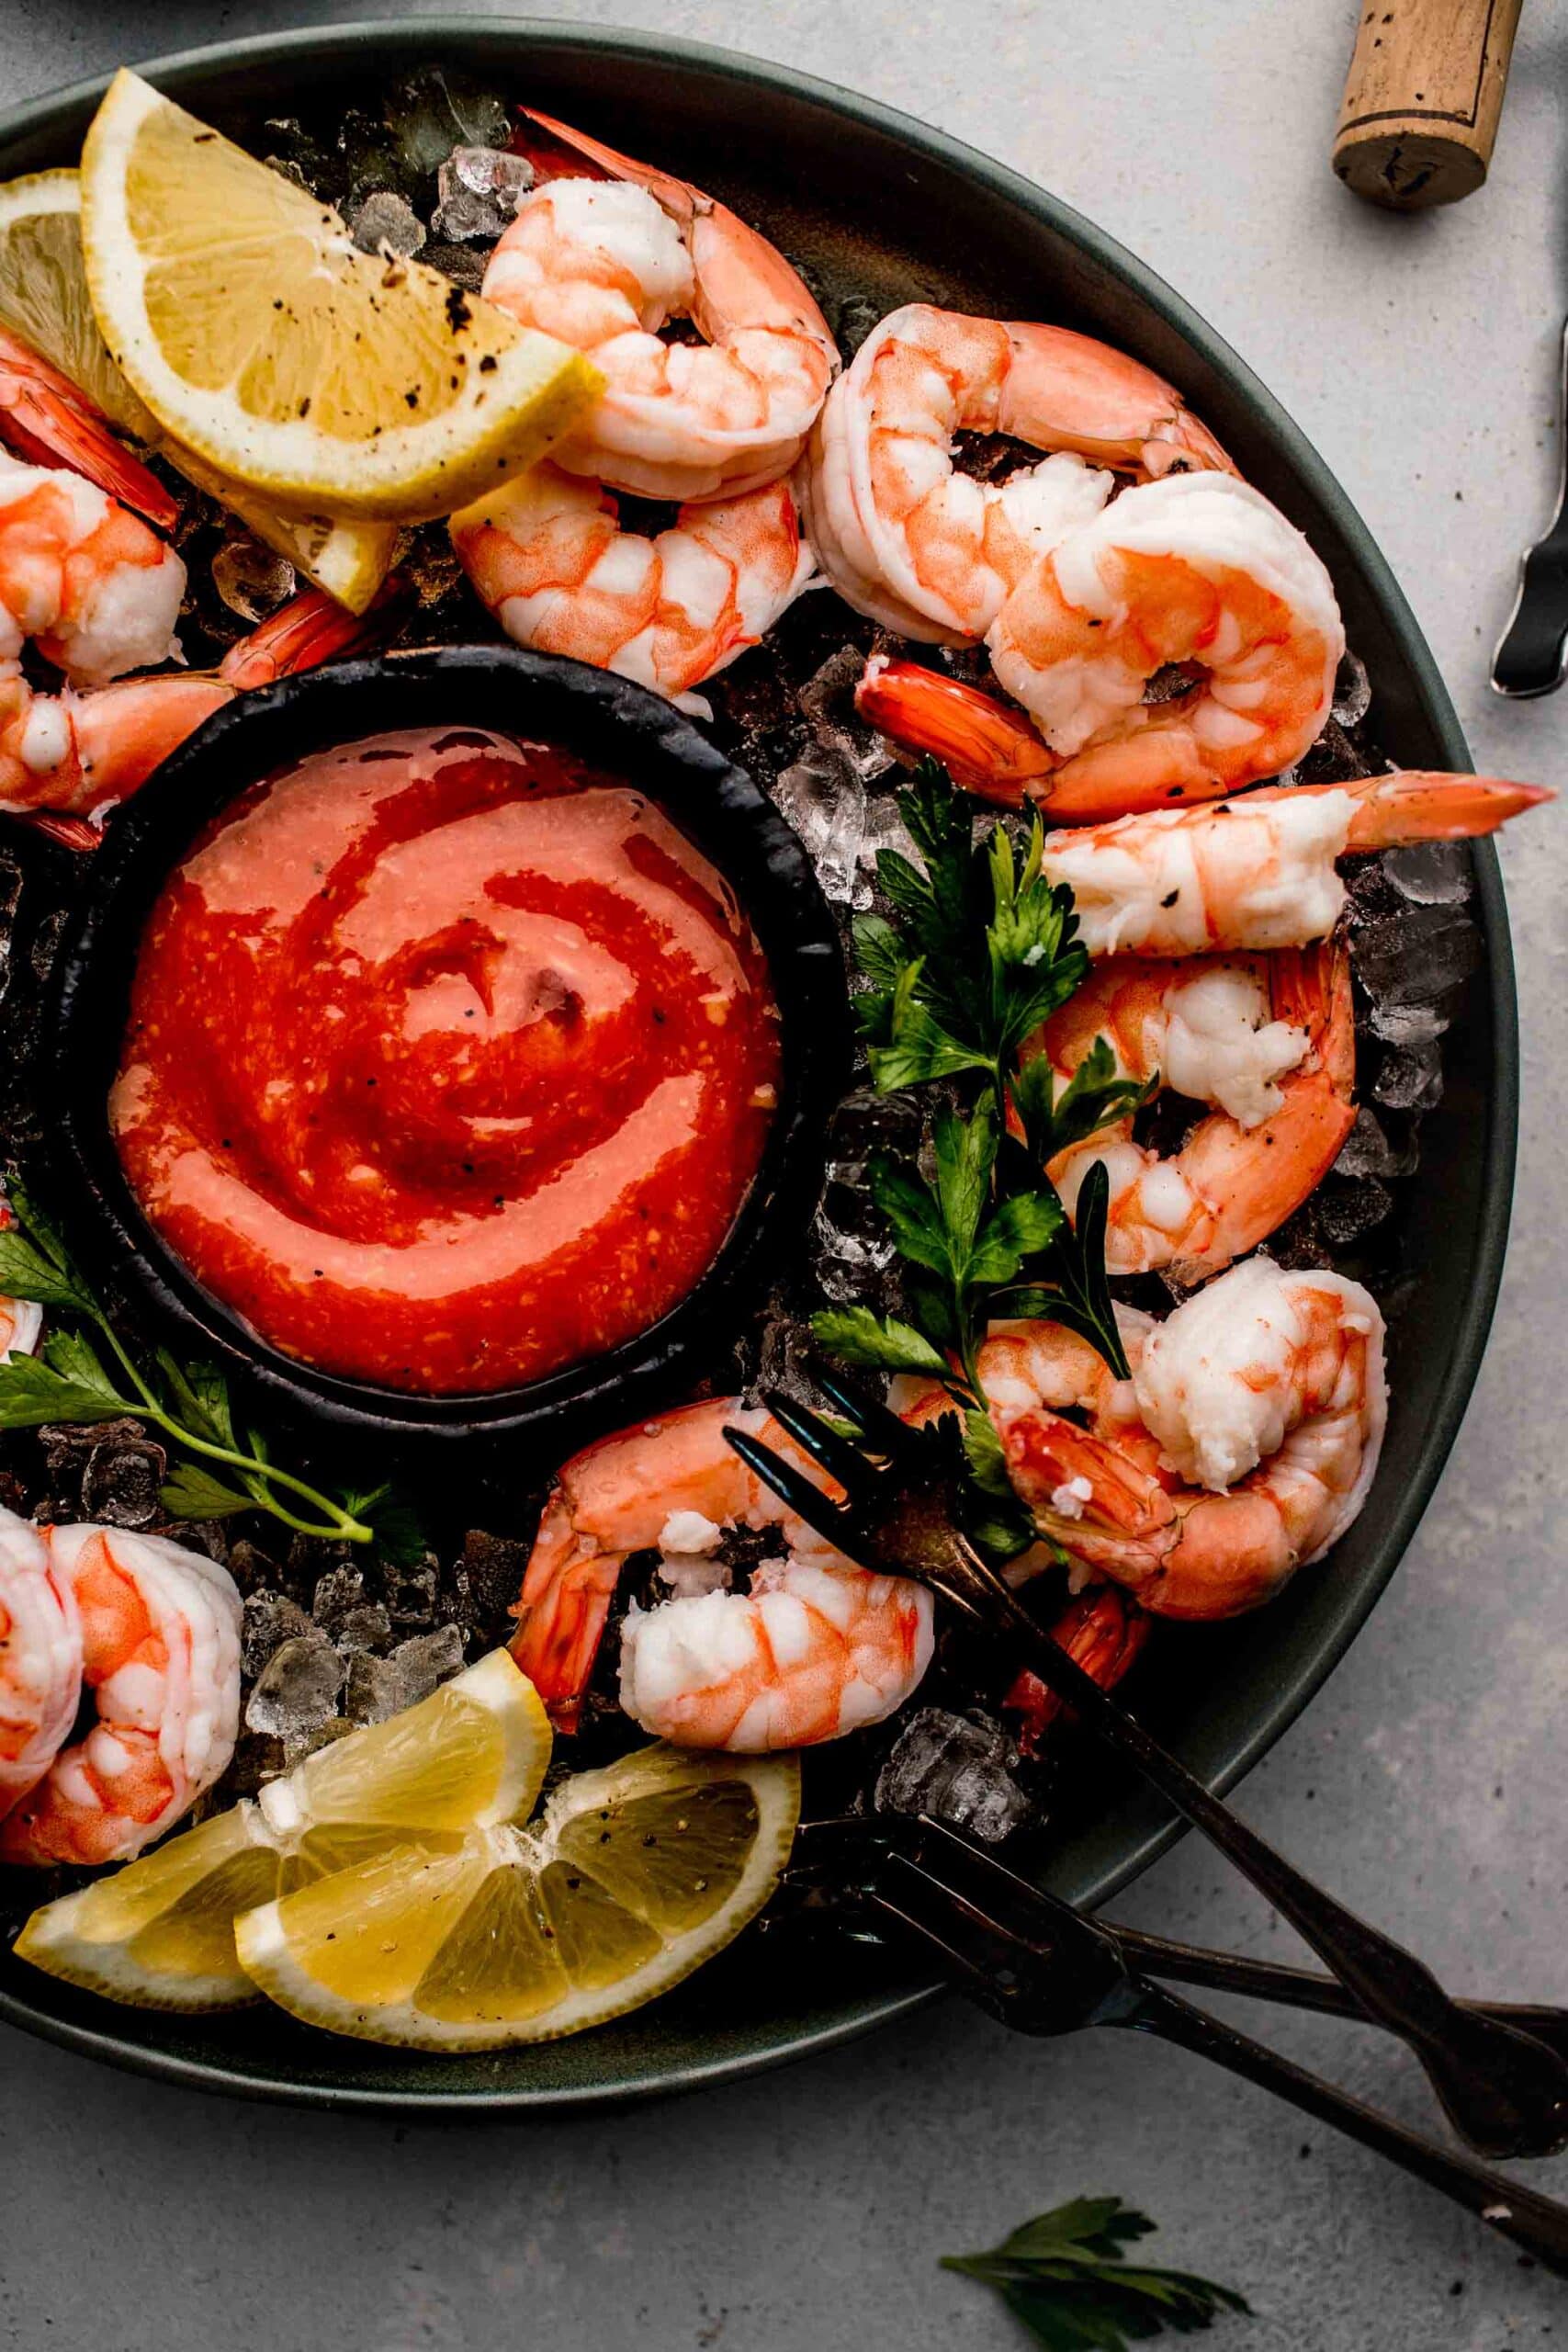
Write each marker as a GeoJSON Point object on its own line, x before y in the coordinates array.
{"type": "Point", "coordinates": [1042, 1968]}
{"type": "Point", "coordinates": [1505, 2093]}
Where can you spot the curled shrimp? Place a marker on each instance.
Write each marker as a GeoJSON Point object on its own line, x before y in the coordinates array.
{"type": "Point", "coordinates": [1261, 871]}
{"type": "Point", "coordinates": [929, 551]}
{"type": "Point", "coordinates": [47, 419]}
{"type": "Point", "coordinates": [160, 1653]}
{"type": "Point", "coordinates": [1268, 1041]}
{"type": "Point", "coordinates": [77, 755]}
{"type": "Point", "coordinates": [1243, 1446]}
{"type": "Point", "coordinates": [82, 577]}
{"type": "Point", "coordinates": [816, 1648]}
{"type": "Point", "coordinates": [40, 1660]}
{"type": "Point", "coordinates": [546, 552]}
{"type": "Point", "coordinates": [1197, 569]}
{"type": "Point", "coordinates": [604, 264]}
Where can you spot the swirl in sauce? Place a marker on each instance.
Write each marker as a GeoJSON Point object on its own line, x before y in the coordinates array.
{"type": "Point", "coordinates": [449, 1061]}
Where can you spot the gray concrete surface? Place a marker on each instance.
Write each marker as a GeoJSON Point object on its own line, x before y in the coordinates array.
{"type": "Point", "coordinates": [806, 2209]}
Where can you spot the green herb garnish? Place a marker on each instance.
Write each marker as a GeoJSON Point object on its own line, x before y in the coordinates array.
{"type": "Point", "coordinates": [1065, 2276]}
{"type": "Point", "coordinates": [982, 951]}
{"type": "Point", "coordinates": [231, 1469]}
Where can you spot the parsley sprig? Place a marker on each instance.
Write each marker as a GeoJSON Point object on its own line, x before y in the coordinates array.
{"type": "Point", "coordinates": [228, 1468]}
{"type": "Point", "coordinates": [984, 949]}
{"type": "Point", "coordinates": [1067, 2276]}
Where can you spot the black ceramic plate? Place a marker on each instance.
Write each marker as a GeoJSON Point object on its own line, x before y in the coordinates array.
{"type": "Point", "coordinates": [918, 217]}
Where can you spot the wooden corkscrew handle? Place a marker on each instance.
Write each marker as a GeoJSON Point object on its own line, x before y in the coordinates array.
{"type": "Point", "coordinates": [1421, 99]}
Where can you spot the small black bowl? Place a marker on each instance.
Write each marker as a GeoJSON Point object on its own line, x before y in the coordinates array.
{"type": "Point", "coordinates": [611, 724]}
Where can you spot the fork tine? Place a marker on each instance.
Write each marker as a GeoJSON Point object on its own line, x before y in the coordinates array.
{"type": "Point", "coordinates": [957, 1964]}
{"type": "Point", "coordinates": [840, 1458]}
{"type": "Point", "coordinates": [793, 1486]}
{"type": "Point", "coordinates": [879, 1424]}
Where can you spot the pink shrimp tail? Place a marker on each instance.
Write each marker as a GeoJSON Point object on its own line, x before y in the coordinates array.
{"type": "Point", "coordinates": [986, 747]}
{"type": "Point", "coordinates": [1103, 1632]}
{"type": "Point", "coordinates": [313, 627]}
{"type": "Point", "coordinates": [1417, 805]}
{"type": "Point", "coordinates": [679, 197]}
{"type": "Point", "coordinates": [46, 419]}
{"type": "Point", "coordinates": [124, 731]}
{"type": "Point", "coordinates": [561, 1616]}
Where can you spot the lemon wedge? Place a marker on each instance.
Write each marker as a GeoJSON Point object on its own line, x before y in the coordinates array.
{"type": "Point", "coordinates": [44, 299]}
{"type": "Point", "coordinates": [630, 1878]}
{"type": "Point", "coordinates": [159, 1933]}
{"type": "Point", "coordinates": [265, 342]}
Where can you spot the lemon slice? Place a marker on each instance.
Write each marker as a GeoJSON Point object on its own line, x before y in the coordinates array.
{"type": "Point", "coordinates": [630, 1879]}
{"type": "Point", "coordinates": [264, 341]}
{"type": "Point", "coordinates": [159, 1933]}
{"type": "Point", "coordinates": [44, 299]}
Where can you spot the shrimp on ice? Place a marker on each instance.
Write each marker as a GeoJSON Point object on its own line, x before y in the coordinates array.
{"type": "Point", "coordinates": [40, 1660]}
{"type": "Point", "coordinates": [604, 264]}
{"type": "Point", "coordinates": [1102, 1630]}
{"type": "Point", "coordinates": [159, 1635]}
{"type": "Point", "coordinates": [47, 420]}
{"type": "Point", "coordinates": [546, 552]}
{"type": "Point", "coordinates": [1269, 1041]}
{"type": "Point", "coordinates": [1243, 1446]}
{"type": "Point", "coordinates": [82, 577]}
{"type": "Point", "coordinates": [1258, 872]}
{"type": "Point", "coordinates": [77, 754]}
{"type": "Point", "coordinates": [929, 551]}
{"type": "Point", "coordinates": [816, 1648]}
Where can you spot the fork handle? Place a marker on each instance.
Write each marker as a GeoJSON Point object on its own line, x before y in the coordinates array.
{"type": "Point", "coordinates": [1299, 1989]}
{"type": "Point", "coordinates": [1504, 2093]}
{"type": "Point", "coordinates": [1532, 2221]}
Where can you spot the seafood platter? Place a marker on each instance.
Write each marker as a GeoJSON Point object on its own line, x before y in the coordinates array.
{"type": "Point", "coordinates": [618, 795]}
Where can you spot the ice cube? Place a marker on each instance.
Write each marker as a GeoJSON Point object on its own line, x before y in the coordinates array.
{"type": "Point", "coordinates": [432, 110]}
{"type": "Point", "coordinates": [1413, 958]}
{"type": "Point", "coordinates": [1430, 874]}
{"type": "Point", "coordinates": [380, 1687]}
{"type": "Point", "coordinates": [1352, 692]}
{"type": "Point", "coordinates": [1348, 1211]}
{"type": "Point", "coordinates": [1407, 1025]}
{"type": "Point", "coordinates": [386, 222]}
{"type": "Point", "coordinates": [271, 1619]}
{"type": "Point", "coordinates": [884, 829]}
{"type": "Point", "coordinates": [464, 265]}
{"type": "Point", "coordinates": [249, 578]}
{"type": "Point", "coordinates": [411, 1592]}
{"type": "Point", "coordinates": [828, 704]}
{"type": "Point", "coordinates": [336, 1594]}
{"type": "Point", "coordinates": [297, 1687]}
{"type": "Point", "coordinates": [783, 1360]}
{"type": "Point", "coordinates": [1410, 1076]}
{"type": "Point", "coordinates": [121, 1483]}
{"type": "Point", "coordinates": [958, 1768]}
{"type": "Point", "coordinates": [824, 800]}
{"type": "Point", "coordinates": [1367, 1150]}
{"type": "Point", "coordinates": [479, 189]}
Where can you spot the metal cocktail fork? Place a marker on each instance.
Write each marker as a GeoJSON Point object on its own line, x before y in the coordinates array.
{"type": "Point", "coordinates": [1042, 1968]}
{"type": "Point", "coordinates": [1505, 2093]}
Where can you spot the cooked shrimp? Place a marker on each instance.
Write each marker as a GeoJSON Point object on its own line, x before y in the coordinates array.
{"type": "Point", "coordinates": [40, 1660]}
{"type": "Point", "coordinates": [929, 551]}
{"type": "Point", "coordinates": [1258, 872]}
{"type": "Point", "coordinates": [815, 1648]}
{"type": "Point", "coordinates": [46, 419]}
{"type": "Point", "coordinates": [159, 1631]}
{"type": "Point", "coordinates": [547, 554]}
{"type": "Point", "coordinates": [1244, 1445]}
{"type": "Point", "coordinates": [1200, 569]}
{"type": "Point", "coordinates": [1104, 1632]}
{"type": "Point", "coordinates": [1268, 1041]}
{"type": "Point", "coordinates": [83, 577]}
{"type": "Point", "coordinates": [82, 752]}
{"type": "Point", "coordinates": [604, 265]}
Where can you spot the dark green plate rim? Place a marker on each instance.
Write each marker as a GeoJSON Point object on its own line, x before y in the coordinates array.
{"type": "Point", "coordinates": [298, 2074]}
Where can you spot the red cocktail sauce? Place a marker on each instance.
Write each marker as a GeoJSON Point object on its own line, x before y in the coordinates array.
{"type": "Point", "coordinates": [449, 1061]}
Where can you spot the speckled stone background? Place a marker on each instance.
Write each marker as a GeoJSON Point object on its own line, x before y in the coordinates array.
{"type": "Point", "coordinates": [807, 2210]}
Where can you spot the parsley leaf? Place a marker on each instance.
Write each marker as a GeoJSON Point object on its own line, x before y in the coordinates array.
{"type": "Point", "coordinates": [1074, 1289]}
{"type": "Point", "coordinates": [191, 1492]}
{"type": "Point", "coordinates": [1065, 2276]}
{"type": "Point", "coordinates": [1093, 1098]}
{"type": "Point", "coordinates": [878, 1342]}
